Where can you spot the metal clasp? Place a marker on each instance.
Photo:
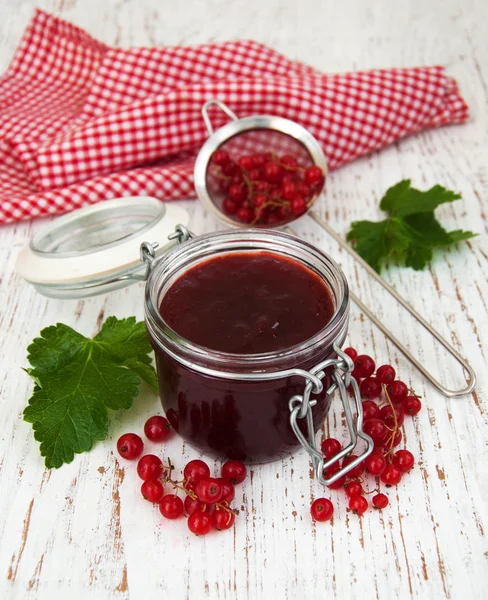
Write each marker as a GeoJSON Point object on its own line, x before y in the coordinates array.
{"type": "Point", "coordinates": [181, 234]}
{"type": "Point", "coordinates": [301, 408]}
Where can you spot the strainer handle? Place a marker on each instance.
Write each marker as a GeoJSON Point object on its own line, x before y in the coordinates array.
{"type": "Point", "coordinates": [223, 107]}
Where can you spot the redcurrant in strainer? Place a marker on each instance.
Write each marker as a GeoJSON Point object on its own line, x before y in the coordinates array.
{"type": "Point", "coordinates": [259, 171]}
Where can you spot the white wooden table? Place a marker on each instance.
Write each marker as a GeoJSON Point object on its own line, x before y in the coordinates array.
{"type": "Point", "coordinates": [84, 532]}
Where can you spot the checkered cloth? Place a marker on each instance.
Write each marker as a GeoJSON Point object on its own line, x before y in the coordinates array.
{"type": "Point", "coordinates": [82, 122]}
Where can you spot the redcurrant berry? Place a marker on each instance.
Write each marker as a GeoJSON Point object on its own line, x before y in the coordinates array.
{"type": "Point", "coordinates": [411, 405]}
{"type": "Point", "coordinates": [391, 475]}
{"type": "Point", "coordinates": [152, 490]}
{"type": "Point", "coordinates": [358, 505]}
{"type": "Point", "coordinates": [288, 178]}
{"type": "Point", "coordinates": [130, 446]}
{"type": "Point", "coordinates": [330, 447]}
{"type": "Point", "coordinates": [246, 162]}
{"type": "Point", "coordinates": [397, 391]}
{"type": "Point", "coordinates": [314, 175]}
{"type": "Point", "coordinates": [238, 178]}
{"type": "Point", "coordinates": [370, 388]}
{"type": "Point", "coordinates": [171, 506]}
{"type": "Point", "coordinates": [339, 482]}
{"type": "Point", "coordinates": [403, 460]}
{"type": "Point", "coordinates": [220, 157]}
{"type": "Point", "coordinates": [288, 160]}
{"type": "Point", "coordinates": [157, 429]}
{"type": "Point", "coordinates": [363, 366]}
{"type": "Point", "coordinates": [200, 523]}
{"type": "Point", "coordinates": [375, 463]}
{"type": "Point", "coordinates": [376, 429]}
{"type": "Point", "coordinates": [237, 192]}
{"type": "Point", "coordinates": [357, 471]}
{"type": "Point", "coordinates": [322, 509]}
{"type": "Point", "coordinates": [245, 214]}
{"type": "Point", "coordinates": [150, 467]}
{"type": "Point", "coordinates": [385, 374]}
{"type": "Point", "coordinates": [304, 190]}
{"type": "Point", "coordinates": [192, 505]}
{"type": "Point", "coordinates": [273, 172]}
{"type": "Point", "coordinates": [351, 352]}
{"type": "Point", "coordinates": [230, 206]}
{"type": "Point", "coordinates": [353, 488]}
{"type": "Point", "coordinates": [222, 519]}
{"type": "Point", "coordinates": [284, 213]}
{"type": "Point", "coordinates": [288, 190]}
{"type": "Point", "coordinates": [370, 410]}
{"type": "Point", "coordinates": [224, 184]}
{"type": "Point", "coordinates": [275, 194]}
{"type": "Point", "coordinates": [228, 490]}
{"type": "Point", "coordinates": [196, 470]}
{"type": "Point", "coordinates": [259, 200]}
{"type": "Point", "coordinates": [230, 169]}
{"type": "Point", "coordinates": [254, 174]}
{"type": "Point", "coordinates": [387, 412]}
{"type": "Point", "coordinates": [298, 206]}
{"type": "Point", "coordinates": [380, 501]}
{"type": "Point", "coordinates": [208, 491]}
{"type": "Point", "coordinates": [261, 186]}
{"type": "Point", "coordinates": [234, 471]}
{"type": "Point", "coordinates": [259, 160]}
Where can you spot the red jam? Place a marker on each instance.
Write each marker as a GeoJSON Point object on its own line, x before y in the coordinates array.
{"type": "Point", "coordinates": [243, 303]}
{"type": "Point", "coordinates": [247, 303]}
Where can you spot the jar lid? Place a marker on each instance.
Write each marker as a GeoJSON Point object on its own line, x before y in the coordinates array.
{"type": "Point", "coordinates": [96, 249]}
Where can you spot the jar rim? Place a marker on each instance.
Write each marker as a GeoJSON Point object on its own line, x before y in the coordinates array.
{"type": "Point", "coordinates": [171, 265]}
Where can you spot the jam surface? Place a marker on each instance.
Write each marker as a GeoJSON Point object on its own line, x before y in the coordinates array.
{"type": "Point", "coordinates": [247, 303]}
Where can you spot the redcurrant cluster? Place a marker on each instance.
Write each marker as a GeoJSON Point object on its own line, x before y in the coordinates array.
{"type": "Point", "coordinates": [206, 499]}
{"type": "Point", "coordinates": [386, 402]}
{"type": "Point", "coordinates": [264, 189]}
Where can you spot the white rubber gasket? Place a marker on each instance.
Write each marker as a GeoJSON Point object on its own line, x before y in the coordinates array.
{"type": "Point", "coordinates": [48, 268]}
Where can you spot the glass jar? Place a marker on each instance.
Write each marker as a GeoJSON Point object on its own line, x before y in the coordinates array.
{"type": "Point", "coordinates": [237, 405]}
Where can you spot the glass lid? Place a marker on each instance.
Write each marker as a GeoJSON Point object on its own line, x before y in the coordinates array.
{"type": "Point", "coordinates": [96, 249]}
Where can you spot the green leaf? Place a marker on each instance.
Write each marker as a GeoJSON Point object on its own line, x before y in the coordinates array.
{"type": "Point", "coordinates": [376, 242]}
{"type": "Point", "coordinates": [458, 235]}
{"type": "Point", "coordinates": [145, 372]}
{"type": "Point", "coordinates": [427, 230]}
{"type": "Point", "coordinates": [78, 379]}
{"type": "Point", "coordinates": [418, 256]}
{"type": "Point", "coordinates": [402, 200]}
{"type": "Point", "coordinates": [412, 231]}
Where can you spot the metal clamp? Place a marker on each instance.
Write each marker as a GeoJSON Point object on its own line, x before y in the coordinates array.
{"type": "Point", "coordinates": [301, 408]}
{"type": "Point", "coordinates": [181, 234]}
{"type": "Point", "coordinates": [148, 251]}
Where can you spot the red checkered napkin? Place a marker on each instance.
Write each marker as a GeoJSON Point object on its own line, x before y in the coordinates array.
{"type": "Point", "coordinates": [81, 122]}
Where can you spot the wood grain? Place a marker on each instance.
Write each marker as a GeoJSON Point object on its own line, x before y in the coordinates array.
{"type": "Point", "coordinates": [84, 532]}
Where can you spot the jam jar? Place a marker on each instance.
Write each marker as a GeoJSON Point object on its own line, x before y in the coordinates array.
{"type": "Point", "coordinates": [237, 405]}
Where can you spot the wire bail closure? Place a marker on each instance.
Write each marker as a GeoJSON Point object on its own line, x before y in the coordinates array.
{"type": "Point", "coordinates": [148, 251]}
{"type": "Point", "coordinates": [301, 408]}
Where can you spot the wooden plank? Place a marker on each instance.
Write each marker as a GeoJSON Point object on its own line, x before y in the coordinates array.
{"type": "Point", "coordinates": [84, 532]}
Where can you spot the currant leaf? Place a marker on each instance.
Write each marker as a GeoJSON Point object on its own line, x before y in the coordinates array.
{"type": "Point", "coordinates": [412, 231]}
{"type": "Point", "coordinates": [78, 379]}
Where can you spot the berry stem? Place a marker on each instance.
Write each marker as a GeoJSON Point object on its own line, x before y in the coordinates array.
{"type": "Point", "coordinates": [182, 485]}
{"type": "Point", "coordinates": [395, 420]}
